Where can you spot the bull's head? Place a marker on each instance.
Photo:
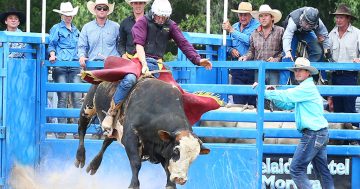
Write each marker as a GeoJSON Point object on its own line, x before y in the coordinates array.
{"type": "Point", "coordinates": [185, 147]}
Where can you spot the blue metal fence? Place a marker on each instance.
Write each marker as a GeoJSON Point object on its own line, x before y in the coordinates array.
{"type": "Point", "coordinates": [227, 166]}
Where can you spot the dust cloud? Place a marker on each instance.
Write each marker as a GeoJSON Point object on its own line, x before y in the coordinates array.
{"type": "Point", "coordinates": [62, 175]}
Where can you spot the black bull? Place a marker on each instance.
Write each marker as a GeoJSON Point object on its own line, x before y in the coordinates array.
{"type": "Point", "coordinates": [155, 128]}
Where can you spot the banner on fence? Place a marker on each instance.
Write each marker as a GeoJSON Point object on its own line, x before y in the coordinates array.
{"type": "Point", "coordinates": [276, 172]}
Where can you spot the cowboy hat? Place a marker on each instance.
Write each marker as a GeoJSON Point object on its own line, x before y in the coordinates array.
{"type": "Point", "coordinates": [67, 9]}
{"type": "Point", "coordinates": [244, 7]}
{"type": "Point", "coordinates": [91, 6]}
{"type": "Point", "coordinates": [304, 64]}
{"type": "Point", "coordinates": [344, 10]}
{"type": "Point", "coordinates": [131, 1]}
{"type": "Point", "coordinates": [266, 9]}
{"type": "Point", "coordinates": [12, 11]}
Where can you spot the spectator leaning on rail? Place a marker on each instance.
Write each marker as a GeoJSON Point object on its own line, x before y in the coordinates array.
{"type": "Point", "coordinates": [63, 47]}
{"type": "Point", "coordinates": [304, 24]}
{"type": "Point", "coordinates": [98, 37]}
{"type": "Point", "coordinates": [267, 35]}
{"type": "Point", "coordinates": [126, 45]}
{"type": "Point", "coordinates": [12, 19]}
{"type": "Point", "coordinates": [345, 47]}
{"type": "Point", "coordinates": [151, 34]}
{"type": "Point", "coordinates": [310, 121]}
{"type": "Point", "coordinates": [240, 35]}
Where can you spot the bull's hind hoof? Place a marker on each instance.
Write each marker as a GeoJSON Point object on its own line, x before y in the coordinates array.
{"type": "Point", "coordinates": [91, 169]}
{"type": "Point", "coordinates": [78, 164]}
{"type": "Point", "coordinates": [80, 158]}
{"type": "Point", "coordinates": [134, 188]}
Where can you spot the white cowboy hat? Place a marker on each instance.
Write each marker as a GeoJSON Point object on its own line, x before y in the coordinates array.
{"type": "Point", "coordinates": [304, 63]}
{"type": "Point", "coordinates": [266, 9]}
{"type": "Point", "coordinates": [244, 7]}
{"type": "Point", "coordinates": [67, 9]}
{"type": "Point", "coordinates": [91, 6]}
{"type": "Point", "coordinates": [131, 1]}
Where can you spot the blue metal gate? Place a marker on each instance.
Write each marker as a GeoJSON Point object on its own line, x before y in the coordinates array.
{"type": "Point", "coordinates": [28, 138]}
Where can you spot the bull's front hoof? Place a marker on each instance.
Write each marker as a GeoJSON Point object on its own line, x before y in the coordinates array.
{"type": "Point", "coordinates": [170, 187]}
{"type": "Point", "coordinates": [134, 187]}
{"type": "Point", "coordinates": [80, 157]}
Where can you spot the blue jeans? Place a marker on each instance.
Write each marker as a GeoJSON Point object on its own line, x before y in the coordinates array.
{"type": "Point", "coordinates": [125, 85]}
{"type": "Point", "coordinates": [284, 75]}
{"type": "Point", "coordinates": [312, 148]}
{"type": "Point", "coordinates": [345, 103]}
{"type": "Point", "coordinates": [67, 75]}
{"type": "Point", "coordinates": [243, 77]}
{"type": "Point", "coordinates": [314, 49]}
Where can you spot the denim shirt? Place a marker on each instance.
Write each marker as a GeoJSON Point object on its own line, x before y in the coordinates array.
{"type": "Point", "coordinates": [64, 41]}
{"type": "Point", "coordinates": [241, 40]}
{"type": "Point", "coordinates": [307, 102]}
{"type": "Point", "coordinates": [97, 42]}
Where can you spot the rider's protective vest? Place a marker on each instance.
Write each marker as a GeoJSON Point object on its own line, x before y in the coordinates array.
{"type": "Point", "coordinates": [157, 37]}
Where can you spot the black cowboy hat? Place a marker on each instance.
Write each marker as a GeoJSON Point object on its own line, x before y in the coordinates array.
{"type": "Point", "coordinates": [344, 10]}
{"type": "Point", "coordinates": [12, 11]}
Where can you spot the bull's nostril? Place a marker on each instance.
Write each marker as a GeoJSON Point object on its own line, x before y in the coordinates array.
{"type": "Point", "coordinates": [180, 181]}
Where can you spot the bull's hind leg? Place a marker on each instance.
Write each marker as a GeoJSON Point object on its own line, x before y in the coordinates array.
{"type": "Point", "coordinates": [95, 163]}
{"type": "Point", "coordinates": [132, 146]}
{"type": "Point", "coordinates": [86, 113]}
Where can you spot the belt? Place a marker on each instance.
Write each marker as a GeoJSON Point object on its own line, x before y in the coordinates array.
{"type": "Point", "coordinates": [304, 130]}
{"type": "Point", "coordinates": [345, 72]}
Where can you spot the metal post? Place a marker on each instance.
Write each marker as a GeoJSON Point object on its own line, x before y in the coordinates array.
{"type": "Point", "coordinates": [43, 21]}
{"type": "Point", "coordinates": [27, 15]}
{"type": "Point", "coordinates": [208, 16]}
{"type": "Point", "coordinates": [225, 19]}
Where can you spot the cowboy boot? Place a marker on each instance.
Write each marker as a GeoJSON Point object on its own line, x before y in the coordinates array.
{"type": "Point", "coordinates": [107, 123]}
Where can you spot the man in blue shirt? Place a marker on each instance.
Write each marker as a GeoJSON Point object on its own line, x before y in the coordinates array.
{"type": "Point", "coordinates": [305, 99]}
{"type": "Point", "coordinates": [63, 47]}
{"type": "Point", "coordinates": [240, 35]}
{"type": "Point", "coordinates": [98, 38]}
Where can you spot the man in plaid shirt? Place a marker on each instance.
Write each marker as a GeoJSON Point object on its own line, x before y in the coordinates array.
{"type": "Point", "coordinates": [266, 41]}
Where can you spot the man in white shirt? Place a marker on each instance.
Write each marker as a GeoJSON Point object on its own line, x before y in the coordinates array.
{"type": "Point", "coordinates": [345, 47]}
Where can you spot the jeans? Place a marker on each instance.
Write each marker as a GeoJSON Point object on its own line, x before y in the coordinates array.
{"type": "Point", "coordinates": [312, 148]}
{"type": "Point", "coordinates": [153, 65]}
{"type": "Point", "coordinates": [243, 77]}
{"type": "Point", "coordinates": [345, 103]}
{"type": "Point", "coordinates": [125, 85]}
{"type": "Point", "coordinates": [284, 75]}
{"type": "Point", "coordinates": [67, 75]}
{"type": "Point", "coordinates": [314, 49]}
{"type": "Point", "coordinates": [271, 77]}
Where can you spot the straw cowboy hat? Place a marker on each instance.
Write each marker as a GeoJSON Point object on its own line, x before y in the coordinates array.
{"type": "Point", "coordinates": [244, 7]}
{"type": "Point", "coordinates": [266, 9]}
{"type": "Point", "coordinates": [131, 1]}
{"type": "Point", "coordinates": [91, 6]}
{"type": "Point", "coordinates": [344, 10]}
{"type": "Point", "coordinates": [304, 63]}
{"type": "Point", "coordinates": [12, 11]}
{"type": "Point", "coordinates": [67, 9]}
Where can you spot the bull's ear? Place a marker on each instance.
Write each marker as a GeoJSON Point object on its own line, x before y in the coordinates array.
{"type": "Point", "coordinates": [164, 135]}
{"type": "Point", "coordinates": [204, 150]}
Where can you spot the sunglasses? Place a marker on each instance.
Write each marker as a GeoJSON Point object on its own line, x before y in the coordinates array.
{"type": "Point", "coordinates": [103, 8]}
